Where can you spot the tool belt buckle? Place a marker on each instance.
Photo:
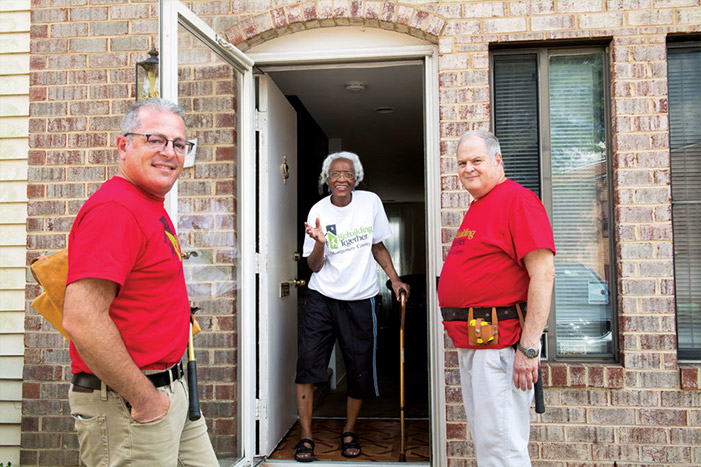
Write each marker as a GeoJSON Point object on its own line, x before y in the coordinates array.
{"type": "Point", "coordinates": [481, 331]}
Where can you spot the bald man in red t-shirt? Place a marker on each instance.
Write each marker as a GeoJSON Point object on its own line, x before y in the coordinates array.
{"type": "Point", "coordinates": [499, 268]}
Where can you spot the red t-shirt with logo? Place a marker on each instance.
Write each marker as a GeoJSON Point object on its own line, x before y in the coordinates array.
{"type": "Point", "coordinates": [124, 235]}
{"type": "Point", "coordinates": [484, 266]}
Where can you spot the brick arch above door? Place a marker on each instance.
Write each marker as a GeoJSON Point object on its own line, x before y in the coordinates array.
{"type": "Point", "coordinates": [391, 16]}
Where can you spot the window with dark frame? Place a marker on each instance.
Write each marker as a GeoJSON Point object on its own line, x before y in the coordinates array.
{"type": "Point", "coordinates": [684, 93]}
{"type": "Point", "coordinates": [550, 115]}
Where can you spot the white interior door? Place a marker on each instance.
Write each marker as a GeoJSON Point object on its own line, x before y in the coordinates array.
{"type": "Point", "coordinates": [277, 406]}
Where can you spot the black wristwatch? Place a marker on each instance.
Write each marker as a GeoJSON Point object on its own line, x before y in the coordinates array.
{"type": "Point", "coordinates": [529, 352]}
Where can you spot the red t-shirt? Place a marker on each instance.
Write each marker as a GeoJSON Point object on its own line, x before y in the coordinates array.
{"type": "Point", "coordinates": [484, 267]}
{"type": "Point", "coordinates": [124, 235]}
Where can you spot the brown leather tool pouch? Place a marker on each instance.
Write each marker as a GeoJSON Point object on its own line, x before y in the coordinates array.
{"type": "Point", "coordinates": [482, 332]}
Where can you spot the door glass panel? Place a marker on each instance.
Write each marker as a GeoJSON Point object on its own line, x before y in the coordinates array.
{"type": "Point", "coordinates": [580, 204]}
{"type": "Point", "coordinates": [209, 227]}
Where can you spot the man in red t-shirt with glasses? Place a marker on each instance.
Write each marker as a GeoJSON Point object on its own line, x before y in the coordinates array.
{"type": "Point", "coordinates": [126, 307]}
{"type": "Point", "coordinates": [494, 291]}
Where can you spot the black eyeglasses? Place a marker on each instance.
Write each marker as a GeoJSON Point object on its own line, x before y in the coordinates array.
{"type": "Point", "coordinates": [160, 143]}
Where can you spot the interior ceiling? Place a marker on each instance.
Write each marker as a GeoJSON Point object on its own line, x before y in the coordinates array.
{"type": "Point", "coordinates": [390, 145]}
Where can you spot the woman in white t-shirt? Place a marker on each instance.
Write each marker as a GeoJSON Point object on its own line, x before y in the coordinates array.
{"type": "Point", "coordinates": [345, 231]}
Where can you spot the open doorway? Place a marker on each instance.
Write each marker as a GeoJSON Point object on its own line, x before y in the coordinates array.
{"type": "Point", "coordinates": [375, 110]}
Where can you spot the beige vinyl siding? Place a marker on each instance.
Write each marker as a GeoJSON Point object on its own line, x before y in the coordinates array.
{"type": "Point", "coordinates": [14, 118]}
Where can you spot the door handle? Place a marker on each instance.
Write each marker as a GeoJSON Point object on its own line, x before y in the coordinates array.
{"type": "Point", "coordinates": [285, 286]}
{"type": "Point", "coordinates": [285, 170]}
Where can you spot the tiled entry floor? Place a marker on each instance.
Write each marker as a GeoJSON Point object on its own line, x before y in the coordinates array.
{"type": "Point", "coordinates": [379, 440]}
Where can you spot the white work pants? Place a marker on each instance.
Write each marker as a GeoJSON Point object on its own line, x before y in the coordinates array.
{"type": "Point", "coordinates": [498, 413]}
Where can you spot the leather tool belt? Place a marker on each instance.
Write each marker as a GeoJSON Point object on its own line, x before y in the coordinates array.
{"type": "Point", "coordinates": [90, 381]}
{"type": "Point", "coordinates": [503, 312]}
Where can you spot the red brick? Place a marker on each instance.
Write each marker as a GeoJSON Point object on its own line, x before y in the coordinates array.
{"type": "Point", "coordinates": [642, 435]}
{"type": "Point", "coordinates": [558, 375]}
{"type": "Point", "coordinates": [92, 13]}
{"type": "Point", "coordinates": [90, 108]}
{"type": "Point", "coordinates": [72, 29]}
{"type": "Point", "coordinates": [87, 140]}
{"type": "Point", "coordinates": [39, 31]}
{"type": "Point", "coordinates": [689, 377]}
{"type": "Point", "coordinates": [456, 431]}
{"type": "Point", "coordinates": [129, 11]}
{"type": "Point", "coordinates": [49, 15]}
{"type": "Point", "coordinates": [614, 377]}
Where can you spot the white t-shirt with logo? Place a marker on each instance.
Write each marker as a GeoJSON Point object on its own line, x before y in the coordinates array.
{"type": "Point", "coordinates": [349, 271]}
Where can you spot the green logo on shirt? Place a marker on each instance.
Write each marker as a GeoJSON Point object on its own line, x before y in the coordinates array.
{"type": "Point", "coordinates": [332, 240]}
{"type": "Point", "coordinates": [346, 240]}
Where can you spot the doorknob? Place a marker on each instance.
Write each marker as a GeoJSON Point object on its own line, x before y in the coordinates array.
{"type": "Point", "coordinates": [285, 286]}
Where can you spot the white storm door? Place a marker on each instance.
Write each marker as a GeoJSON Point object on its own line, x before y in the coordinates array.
{"type": "Point", "coordinates": [277, 240]}
{"type": "Point", "coordinates": [188, 47]}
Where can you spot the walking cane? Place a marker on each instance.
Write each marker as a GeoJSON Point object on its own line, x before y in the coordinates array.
{"type": "Point", "coordinates": [402, 299]}
{"type": "Point", "coordinates": [195, 412]}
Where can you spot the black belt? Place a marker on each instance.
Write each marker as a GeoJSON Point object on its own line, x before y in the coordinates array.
{"type": "Point", "coordinates": [90, 381]}
{"type": "Point", "coordinates": [503, 312]}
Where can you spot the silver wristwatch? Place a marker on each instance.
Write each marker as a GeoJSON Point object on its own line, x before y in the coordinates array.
{"type": "Point", "coordinates": [529, 352]}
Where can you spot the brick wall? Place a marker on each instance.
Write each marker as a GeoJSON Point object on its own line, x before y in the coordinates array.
{"type": "Point", "coordinates": [640, 411]}
{"type": "Point", "coordinates": [81, 82]}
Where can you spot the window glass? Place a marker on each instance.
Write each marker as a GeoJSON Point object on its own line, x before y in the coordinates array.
{"type": "Point", "coordinates": [553, 137]}
{"type": "Point", "coordinates": [684, 84]}
{"type": "Point", "coordinates": [580, 203]}
{"type": "Point", "coordinates": [516, 117]}
{"type": "Point", "coordinates": [209, 227]}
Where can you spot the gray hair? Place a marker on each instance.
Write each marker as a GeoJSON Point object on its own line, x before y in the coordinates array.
{"type": "Point", "coordinates": [490, 141]}
{"type": "Point", "coordinates": [131, 121]}
{"type": "Point", "coordinates": [355, 160]}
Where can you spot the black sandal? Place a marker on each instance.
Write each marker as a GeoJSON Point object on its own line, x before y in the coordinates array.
{"type": "Point", "coordinates": [301, 448]}
{"type": "Point", "coordinates": [352, 444]}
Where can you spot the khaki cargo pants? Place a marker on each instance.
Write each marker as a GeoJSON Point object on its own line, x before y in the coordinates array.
{"type": "Point", "coordinates": [109, 437]}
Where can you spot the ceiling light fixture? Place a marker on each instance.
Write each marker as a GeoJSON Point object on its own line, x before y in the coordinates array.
{"type": "Point", "coordinates": [384, 110]}
{"type": "Point", "coordinates": [355, 87]}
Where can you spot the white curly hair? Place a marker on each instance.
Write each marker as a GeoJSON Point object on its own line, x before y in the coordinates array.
{"type": "Point", "coordinates": [326, 166]}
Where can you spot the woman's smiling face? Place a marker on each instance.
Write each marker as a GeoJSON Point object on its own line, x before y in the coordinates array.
{"type": "Point", "coordinates": [341, 181]}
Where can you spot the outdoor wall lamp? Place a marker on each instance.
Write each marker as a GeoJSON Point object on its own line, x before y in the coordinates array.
{"type": "Point", "coordinates": [147, 75]}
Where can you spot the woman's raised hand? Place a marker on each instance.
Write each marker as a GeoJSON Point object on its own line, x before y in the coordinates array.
{"type": "Point", "coordinates": [315, 232]}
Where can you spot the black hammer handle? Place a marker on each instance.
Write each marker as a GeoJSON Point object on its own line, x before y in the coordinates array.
{"type": "Point", "coordinates": [539, 401]}
{"type": "Point", "coordinates": [195, 412]}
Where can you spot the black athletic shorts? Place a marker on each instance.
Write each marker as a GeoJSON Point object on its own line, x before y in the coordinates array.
{"type": "Point", "coordinates": [354, 324]}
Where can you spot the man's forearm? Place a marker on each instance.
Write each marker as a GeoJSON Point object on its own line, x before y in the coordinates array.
{"type": "Point", "coordinates": [541, 269]}
{"type": "Point", "coordinates": [101, 347]}
{"type": "Point", "coordinates": [86, 319]}
{"type": "Point", "coordinates": [539, 297]}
